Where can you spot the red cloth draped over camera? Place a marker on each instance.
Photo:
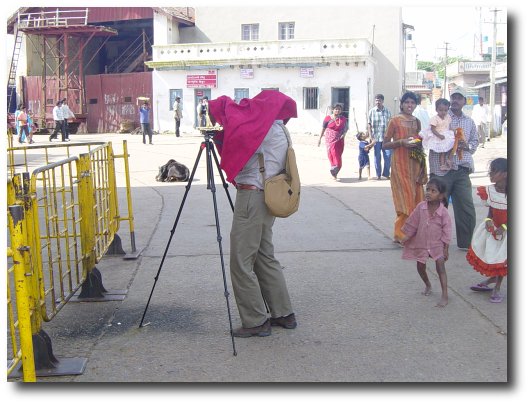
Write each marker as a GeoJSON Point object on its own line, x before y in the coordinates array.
{"type": "Point", "coordinates": [246, 124]}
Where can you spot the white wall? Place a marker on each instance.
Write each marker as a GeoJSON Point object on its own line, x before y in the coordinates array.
{"type": "Point", "coordinates": [223, 24]}
{"type": "Point", "coordinates": [287, 79]}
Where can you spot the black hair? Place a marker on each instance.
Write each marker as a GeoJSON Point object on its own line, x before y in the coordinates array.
{"type": "Point", "coordinates": [407, 95]}
{"type": "Point", "coordinates": [442, 189]}
{"type": "Point", "coordinates": [442, 101]}
{"type": "Point", "coordinates": [500, 165]}
{"type": "Point", "coordinates": [338, 105]}
{"type": "Point", "coordinates": [380, 97]}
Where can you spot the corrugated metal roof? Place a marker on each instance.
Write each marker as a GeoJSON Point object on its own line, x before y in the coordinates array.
{"type": "Point", "coordinates": [185, 15]}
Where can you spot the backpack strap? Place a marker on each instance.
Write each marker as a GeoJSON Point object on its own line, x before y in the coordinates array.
{"type": "Point", "coordinates": [260, 155]}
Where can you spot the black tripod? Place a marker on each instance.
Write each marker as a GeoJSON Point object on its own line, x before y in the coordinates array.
{"type": "Point", "coordinates": [208, 145]}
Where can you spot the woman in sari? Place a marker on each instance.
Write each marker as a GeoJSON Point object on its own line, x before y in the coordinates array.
{"type": "Point", "coordinates": [408, 165]}
{"type": "Point", "coordinates": [334, 129]}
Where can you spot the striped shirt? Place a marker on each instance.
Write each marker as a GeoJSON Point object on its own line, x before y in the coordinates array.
{"type": "Point", "coordinates": [378, 120]}
{"type": "Point", "coordinates": [470, 132]}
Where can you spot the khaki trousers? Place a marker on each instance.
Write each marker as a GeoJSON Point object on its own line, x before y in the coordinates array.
{"type": "Point", "coordinates": [256, 274]}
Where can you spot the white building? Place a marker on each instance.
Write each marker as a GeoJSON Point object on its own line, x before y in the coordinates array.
{"type": "Point", "coordinates": [319, 56]}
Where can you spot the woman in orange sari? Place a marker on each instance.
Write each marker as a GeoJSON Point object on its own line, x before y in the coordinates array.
{"type": "Point", "coordinates": [408, 166]}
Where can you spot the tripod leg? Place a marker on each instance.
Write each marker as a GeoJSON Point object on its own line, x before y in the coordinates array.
{"type": "Point", "coordinates": [211, 184]}
{"type": "Point", "coordinates": [225, 184]}
{"type": "Point", "coordinates": [188, 186]}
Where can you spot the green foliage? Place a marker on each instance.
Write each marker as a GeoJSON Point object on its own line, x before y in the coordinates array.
{"type": "Point", "coordinates": [438, 67]}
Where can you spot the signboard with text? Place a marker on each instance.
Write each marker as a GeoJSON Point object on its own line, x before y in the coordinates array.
{"type": "Point", "coordinates": [246, 73]}
{"type": "Point", "coordinates": [307, 72]}
{"type": "Point", "coordinates": [207, 80]}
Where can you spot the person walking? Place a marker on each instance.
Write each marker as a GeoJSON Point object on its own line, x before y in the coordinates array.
{"type": "Point", "coordinates": [428, 234]}
{"type": "Point", "coordinates": [253, 127]}
{"type": "Point", "coordinates": [364, 155]}
{"type": "Point", "coordinates": [489, 246]}
{"type": "Point", "coordinates": [145, 123]}
{"type": "Point", "coordinates": [22, 124]}
{"type": "Point", "coordinates": [408, 162]}
{"type": "Point", "coordinates": [480, 116]}
{"type": "Point", "coordinates": [378, 120]}
{"type": "Point", "coordinates": [67, 114]}
{"type": "Point", "coordinates": [459, 188]}
{"type": "Point", "coordinates": [334, 130]}
{"type": "Point", "coordinates": [58, 117]}
{"type": "Point", "coordinates": [177, 108]}
{"type": "Point", "coordinates": [31, 127]}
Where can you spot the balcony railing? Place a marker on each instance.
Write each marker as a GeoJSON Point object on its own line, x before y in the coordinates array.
{"type": "Point", "coordinates": [260, 51]}
{"type": "Point", "coordinates": [58, 18]}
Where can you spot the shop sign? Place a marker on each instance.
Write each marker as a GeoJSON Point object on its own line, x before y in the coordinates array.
{"type": "Point", "coordinates": [208, 80]}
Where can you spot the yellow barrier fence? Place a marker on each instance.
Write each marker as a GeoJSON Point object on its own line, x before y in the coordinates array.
{"type": "Point", "coordinates": [70, 219]}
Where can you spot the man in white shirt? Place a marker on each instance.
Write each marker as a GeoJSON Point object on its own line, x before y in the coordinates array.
{"type": "Point", "coordinates": [58, 117]}
{"type": "Point", "coordinates": [480, 116]}
{"type": "Point", "coordinates": [67, 113]}
{"type": "Point", "coordinates": [177, 108]}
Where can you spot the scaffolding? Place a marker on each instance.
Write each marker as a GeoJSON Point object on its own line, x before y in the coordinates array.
{"type": "Point", "coordinates": [60, 38]}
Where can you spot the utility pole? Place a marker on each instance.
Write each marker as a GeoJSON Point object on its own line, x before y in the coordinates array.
{"type": "Point", "coordinates": [445, 90]}
{"type": "Point", "coordinates": [492, 72]}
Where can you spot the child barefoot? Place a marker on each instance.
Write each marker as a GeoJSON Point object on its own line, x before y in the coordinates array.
{"type": "Point", "coordinates": [488, 251]}
{"type": "Point", "coordinates": [428, 233]}
{"type": "Point", "coordinates": [438, 137]}
{"type": "Point", "coordinates": [364, 157]}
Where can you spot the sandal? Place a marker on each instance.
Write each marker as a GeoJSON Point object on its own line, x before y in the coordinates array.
{"type": "Point", "coordinates": [496, 298]}
{"type": "Point", "coordinates": [481, 287]}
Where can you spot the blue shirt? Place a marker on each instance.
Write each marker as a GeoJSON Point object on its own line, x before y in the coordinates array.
{"type": "Point", "coordinates": [144, 115]}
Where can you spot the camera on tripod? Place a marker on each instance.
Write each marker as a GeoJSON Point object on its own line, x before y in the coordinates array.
{"type": "Point", "coordinates": [210, 131]}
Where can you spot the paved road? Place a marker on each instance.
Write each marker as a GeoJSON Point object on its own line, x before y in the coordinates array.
{"type": "Point", "coordinates": [361, 315]}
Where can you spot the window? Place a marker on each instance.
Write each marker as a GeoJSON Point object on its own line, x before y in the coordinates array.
{"type": "Point", "coordinates": [173, 93]}
{"type": "Point", "coordinates": [310, 98]}
{"type": "Point", "coordinates": [127, 99]}
{"type": "Point", "coordinates": [286, 30]}
{"type": "Point", "coordinates": [239, 94]}
{"type": "Point", "coordinates": [93, 101]}
{"type": "Point", "coordinates": [250, 32]}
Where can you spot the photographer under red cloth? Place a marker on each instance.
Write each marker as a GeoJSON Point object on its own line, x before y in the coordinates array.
{"type": "Point", "coordinates": [245, 125]}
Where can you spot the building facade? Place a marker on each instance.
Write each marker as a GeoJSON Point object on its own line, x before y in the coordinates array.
{"type": "Point", "coordinates": [317, 57]}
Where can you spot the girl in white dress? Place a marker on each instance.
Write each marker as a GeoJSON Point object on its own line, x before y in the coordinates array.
{"type": "Point", "coordinates": [439, 138]}
{"type": "Point", "coordinates": [488, 251]}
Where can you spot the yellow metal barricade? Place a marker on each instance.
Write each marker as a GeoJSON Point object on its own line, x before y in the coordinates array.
{"type": "Point", "coordinates": [71, 217]}
{"type": "Point", "coordinates": [19, 312]}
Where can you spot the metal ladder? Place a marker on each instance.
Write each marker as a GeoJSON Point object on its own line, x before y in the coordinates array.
{"type": "Point", "coordinates": [11, 82]}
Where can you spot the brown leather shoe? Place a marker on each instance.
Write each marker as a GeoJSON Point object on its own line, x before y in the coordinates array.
{"type": "Point", "coordinates": [287, 322]}
{"type": "Point", "coordinates": [261, 331]}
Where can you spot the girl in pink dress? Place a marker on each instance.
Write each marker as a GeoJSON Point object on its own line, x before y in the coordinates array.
{"type": "Point", "coordinates": [489, 246]}
{"type": "Point", "coordinates": [334, 129]}
{"type": "Point", "coordinates": [428, 233]}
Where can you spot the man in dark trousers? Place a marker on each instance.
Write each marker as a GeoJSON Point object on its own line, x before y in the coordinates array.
{"type": "Point", "coordinates": [457, 178]}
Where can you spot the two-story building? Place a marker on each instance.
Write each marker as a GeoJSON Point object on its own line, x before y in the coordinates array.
{"type": "Point", "coordinates": [317, 56]}
{"type": "Point", "coordinates": [102, 59]}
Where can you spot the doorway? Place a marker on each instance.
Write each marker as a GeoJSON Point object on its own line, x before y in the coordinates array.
{"type": "Point", "coordinates": [341, 95]}
{"type": "Point", "coordinates": [199, 94]}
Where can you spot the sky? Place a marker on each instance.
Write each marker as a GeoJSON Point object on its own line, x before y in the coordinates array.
{"type": "Point", "coordinates": [462, 29]}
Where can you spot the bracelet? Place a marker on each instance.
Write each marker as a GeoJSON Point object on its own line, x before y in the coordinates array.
{"type": "Point", "coordinates": [504, 227]}
{"type": "Point", "coordinates": [487, 219]}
